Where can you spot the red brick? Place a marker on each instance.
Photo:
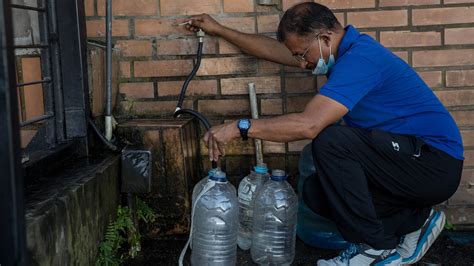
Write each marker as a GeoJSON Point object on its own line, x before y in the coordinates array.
{"type": "Point", "coordinates": [273, 147]}
{"type": "Point", "coordinates": [130, 7]}
{"type": "Point", "coordinates": [234, 86]}
{"type": "Point", "coordinates": [289, 3]}
{"type": "Point", "coordinates": [238, 6]}
{"type": "Point", "coordinates": [458, 57]}
{"type": "Point", "coordinates": [460, 78]}
{"type": "Point", "coordinates": [447, 15]}
{"type": "Point", "coordinates": [151, 108]}
{"type": "Point", "coordinates": [267, 23]}
{"type": "Point", "coordinates": [347, 4]}
{"type": "Point", "coordinates": [33, 95]}
{"type": "Point", "coordinates": [137, 90]}
{"type": "Point", "coordinates": [297, 104]}
{"type": "Point", "coordinates": [384, 3]}
{"type": "Point", "coordinates": [457, 1]}
{"type": "Point", "coordinates": [224, 107]}
{"type": "Point", "coordinates": [163, 68]}
{"type": "Point", "coordinates": [228, 65]}
{"type": "Point", "coordinates": [300, 84]}
{"type": "Point", "coordinates": [372, 19]}
{"type": "Point", "coordinates": [226, 47]}
{"type": "Point", "coordinates": [298, 145]}
{"type": "Point", "coordinates": [185, 46]}
{"type": "Point", "coordinates": [195, 88]}
{"type": "Point", "coordinates": [459, 36]}
{"type": "Point", "coordinates": [340, 18]}
{"type": "Point", "coordinates": [372, 34]}
{"type": "Point", "coordinates": [268, 67]}
{"type": "Point", "coordinates": [96, 28]}
{"type": "Point", "coordinates": [402, 55]}
{"type": "Point", "coordinates": [456, 98]}
{"type": "Point", "coordinates": [124, 69]}
{"type": "Point", "coordinates": [185, 7]}
{"type": "Point", "coordinates": [271, 106]}
{"type": "Point", "coordinates": [135, 48]}
{"type": "Point", "coordinates": [467, 137]}
{"type": "Point", "coordinates": [243, 24]}
{"type": "Point", "coordinates": [463, 118]}
{"type": "Point", "coordinates": [155, 27]}
{"type": "Point", "coordinates": [432, 78]}
{"type": "Point", "coordinates": [468, 162]}
{"type": "Point", "coordinates": [410, 39]}
{"type": "Point", "coordinates": [89, 8]}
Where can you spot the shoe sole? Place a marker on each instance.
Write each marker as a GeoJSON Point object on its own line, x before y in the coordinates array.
{"type": "Point", "coordinates": [429, 236]}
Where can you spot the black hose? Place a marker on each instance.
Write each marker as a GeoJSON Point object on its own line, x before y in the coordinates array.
{"type": "Point", "coordinates": [104, 140]}
{"type": "Point", "coordinates": [190, 77]}
{"type": "Point", "coordinates": [196, 114]}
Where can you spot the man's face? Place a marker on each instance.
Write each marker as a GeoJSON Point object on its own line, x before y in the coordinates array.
{"type": "Point", "coordinates": [305, 49]}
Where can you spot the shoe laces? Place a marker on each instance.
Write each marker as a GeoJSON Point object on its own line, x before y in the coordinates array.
{"type": "Point", "coordinates": [348, 253]}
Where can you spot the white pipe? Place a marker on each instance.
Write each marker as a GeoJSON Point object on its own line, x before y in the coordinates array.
{"type": "Point", "coordinates": [254, 110]}
{"type": "Point", "coordinates": [108, 127]}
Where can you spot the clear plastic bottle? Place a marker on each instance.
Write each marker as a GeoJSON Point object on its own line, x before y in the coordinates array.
{"type": "Point", "coordinates": [215, 223]}
{"type": "Point", "coordinates": [200, 185]}
{"type": "Point", "coordinates": [312, 228]}
{"type": "Point", "coordinates": [248, 189]}
{"type": "Point", "coordinates": [274, 223]}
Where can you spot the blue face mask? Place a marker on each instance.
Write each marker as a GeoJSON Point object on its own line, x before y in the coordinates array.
{"type": "Point", "coordinates": [322, 68]}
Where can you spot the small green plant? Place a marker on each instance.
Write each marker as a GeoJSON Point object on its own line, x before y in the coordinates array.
{"type": "Point", "coordinates": [448, 226]}
{"type": "Point", "coordinates": [122, 240]}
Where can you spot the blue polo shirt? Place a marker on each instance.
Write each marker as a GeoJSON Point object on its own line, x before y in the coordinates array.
{"type": "Point", "coordinates": [382, 92]}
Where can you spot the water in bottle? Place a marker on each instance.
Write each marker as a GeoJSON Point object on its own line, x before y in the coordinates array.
{"type": "Point", "coordinates": [215, 223]}
{"type": "Point", "coordinates": [274, 224]}
{"type": "Point", "coordinates": [248, 188]}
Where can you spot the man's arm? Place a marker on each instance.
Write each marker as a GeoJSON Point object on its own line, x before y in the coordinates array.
{"type": "Point", "coordinates": [253, 44]}
{"type": "Point", "coordinates": [319, 113]}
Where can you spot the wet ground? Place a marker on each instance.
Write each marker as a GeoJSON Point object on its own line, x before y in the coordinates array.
{"type": "Point", "coordinates": [451, 248]}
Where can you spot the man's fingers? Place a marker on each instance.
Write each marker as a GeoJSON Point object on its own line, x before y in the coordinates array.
{"type": "Point", "coordinates": [221, 149]}
{"type": "Point", "coordinates": [206, 139]}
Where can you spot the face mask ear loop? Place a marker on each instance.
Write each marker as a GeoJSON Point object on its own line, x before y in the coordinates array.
{"type": "Point", "coordinates": [320, 50]}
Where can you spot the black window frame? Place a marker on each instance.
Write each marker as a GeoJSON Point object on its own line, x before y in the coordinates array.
{"type": "Point", "coordinates": [66, 111]}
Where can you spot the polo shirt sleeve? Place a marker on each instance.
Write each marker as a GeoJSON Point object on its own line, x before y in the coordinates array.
{"type": "Point", "coordinates": [351, 79]}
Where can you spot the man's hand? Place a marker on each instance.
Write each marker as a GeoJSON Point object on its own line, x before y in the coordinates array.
{"type": "Point", "coordinates": [218, 136]}
{"type": "Point", "coordinates": [204, 22]}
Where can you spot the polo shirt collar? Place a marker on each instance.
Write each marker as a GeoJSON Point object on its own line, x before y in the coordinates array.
{"type": "Point", "coordinates": [349, 38]}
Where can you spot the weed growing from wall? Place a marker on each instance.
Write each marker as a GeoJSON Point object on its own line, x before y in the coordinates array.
{"type": "Point", "coordinates": [122, 239]}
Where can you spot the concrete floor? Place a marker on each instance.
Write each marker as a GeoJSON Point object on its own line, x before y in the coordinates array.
{"type": "Point", "coordinates": [451, 248]}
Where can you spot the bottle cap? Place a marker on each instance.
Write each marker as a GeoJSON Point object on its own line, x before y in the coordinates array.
{"type": "Point", "coordinates": [218, 176]}
{"type": "Point", "coordinates": [261, 168]}
{"type": "Point", "coordinates": [278, 175]}
{"type": "Point", "coordinates": [213, 171]}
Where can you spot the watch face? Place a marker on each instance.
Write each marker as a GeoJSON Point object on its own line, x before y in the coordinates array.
{"type": "Point", "coordinates": [244, 124]}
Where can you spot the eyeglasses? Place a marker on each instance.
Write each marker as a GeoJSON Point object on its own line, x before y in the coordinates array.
{"type": "Point", "coordinates": [301, 57]}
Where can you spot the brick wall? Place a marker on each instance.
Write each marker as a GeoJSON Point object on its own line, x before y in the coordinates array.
{"type": "Point", "coordinates": [436, 37]}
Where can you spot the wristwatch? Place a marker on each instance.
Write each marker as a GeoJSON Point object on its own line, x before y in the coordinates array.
{"type": "Point", "coordinates": [244, 125]}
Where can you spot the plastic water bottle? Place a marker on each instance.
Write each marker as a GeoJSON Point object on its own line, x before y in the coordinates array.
{"type": "Point", "coordinates": [248, 189]}
{"type": "Point", "coordinates": [200, 185]}
{"type": "Point", "coordinates": [274, 224]}
{"type": "Point", "coordinates": [215, 223]}
{"type": "Point", "coordinates": [312, 228]}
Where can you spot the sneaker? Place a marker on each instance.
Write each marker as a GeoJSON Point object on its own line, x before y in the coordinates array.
{"type": "Point", "coordinates": [362, 254]}
{"type": "Point", "coordinates": [413, 246]}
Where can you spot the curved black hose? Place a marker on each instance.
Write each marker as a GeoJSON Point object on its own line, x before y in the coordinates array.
{"type": "Point", "coordinates": [104, 140]}
{"type": "Point", "coordinates": [190, 77]}
{"type": "Point", "coordinates": [199, 116]}
{"type": "Point", "coordinates": [196, 114]}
